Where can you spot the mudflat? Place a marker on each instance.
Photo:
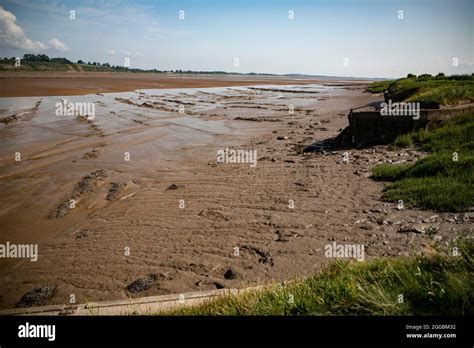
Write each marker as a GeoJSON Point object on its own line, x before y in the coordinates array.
{"type": "Point", "coordinates": [134, 202]}
{"type": "Point", "coordinates": [21, 84]}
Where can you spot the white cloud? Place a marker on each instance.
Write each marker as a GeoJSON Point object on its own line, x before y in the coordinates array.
{"type": "Point", "coordinates": [12, 35]}
{"type": "Point", "coordinates": [112, 52]}
{"type": "Point", "coordinates": [58, 45]}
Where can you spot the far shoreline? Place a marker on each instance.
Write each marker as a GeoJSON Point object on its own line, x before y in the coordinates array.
{"type": "Point", "coordinates": [41, 84]}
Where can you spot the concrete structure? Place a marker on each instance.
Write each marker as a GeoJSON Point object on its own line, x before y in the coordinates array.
{"type": "Point", "coordinates": [132, 306]}
{"type": "Point", "coordinates": [368, 127]}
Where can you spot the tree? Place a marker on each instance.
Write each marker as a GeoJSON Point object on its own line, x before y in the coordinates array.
{"type": "Point", "coordinates": [61, 60]}
{"type": "Point", "coordinates": [424, 77]}
{"type": "Point", "coordinates": [80, 62]}
{"type": "Point", "coordinates": [411, 75]}
{"type": "Point", "coordinates": [36, 58]}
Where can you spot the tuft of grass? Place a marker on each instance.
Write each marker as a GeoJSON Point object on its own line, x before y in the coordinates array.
{"type": "Point", "coordinates": [442, 181]}
{"type": "Point", "coordinates": [439, 284]}
{"type": "Point", "coordinates": [389, 172]}
{"type": "Point", "coordinates": [403, 140]}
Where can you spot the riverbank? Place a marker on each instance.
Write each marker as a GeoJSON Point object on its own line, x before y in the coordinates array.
{"type": "Point", "coordinates": [172, 219]}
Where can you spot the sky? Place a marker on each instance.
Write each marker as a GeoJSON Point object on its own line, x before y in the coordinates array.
{"type": "Point", "coordinates": [360, 38]}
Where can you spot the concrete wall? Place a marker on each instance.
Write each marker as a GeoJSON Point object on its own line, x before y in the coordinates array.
{"type": "Point", "coordinates": [370, 127]}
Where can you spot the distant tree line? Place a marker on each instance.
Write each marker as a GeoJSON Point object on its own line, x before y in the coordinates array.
{"type": "Point", "coordinates": [96, 66]}
{"type": "Point", "coordinates": [440, 76]}
{"type": "Point", "coordinates": [39, 58]}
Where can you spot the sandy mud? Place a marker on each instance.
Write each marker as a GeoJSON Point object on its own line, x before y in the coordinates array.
{"type": "Point", "coordinates": [135, 202]}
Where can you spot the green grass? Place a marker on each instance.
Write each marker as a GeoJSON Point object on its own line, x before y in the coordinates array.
{"type": "Point", "coordinates": [434, 91]}
{"type": "Point", "coordinates": [390, 172]}
{"type": "Point", "coordinates": [438, 193]}
{"type": "Point", "coordinates": [439, 284]}
{"type": "Point", "coordinates": [379, 86]}
{"type": "Point", "coordinates": [403, 140]}
{"type": "Point", "coordinates": [427, 90]}
{"type": "Point", "coordinates": [437, 181]}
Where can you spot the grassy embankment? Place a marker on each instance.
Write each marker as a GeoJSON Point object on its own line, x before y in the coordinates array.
{"type": "Point", "coordinates": [379, 86]}
{"type": "Point", "coordinates": [444, 180]}
{"type": "Point", "coordinates": [428, 90]}
{"type": "Point", "coordinates": [422, 285]}
{"type": "Point", "coordinates": [59, 65]}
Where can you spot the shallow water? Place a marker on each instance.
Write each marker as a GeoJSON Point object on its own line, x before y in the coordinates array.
{"type": "Point", "coordinates": [133, 135]}
{"type": "Point", "coordinates": [178, 118]}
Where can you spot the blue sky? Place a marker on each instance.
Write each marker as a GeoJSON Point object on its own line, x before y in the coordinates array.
{"type": "Point", "coordinates": [323, 35]}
